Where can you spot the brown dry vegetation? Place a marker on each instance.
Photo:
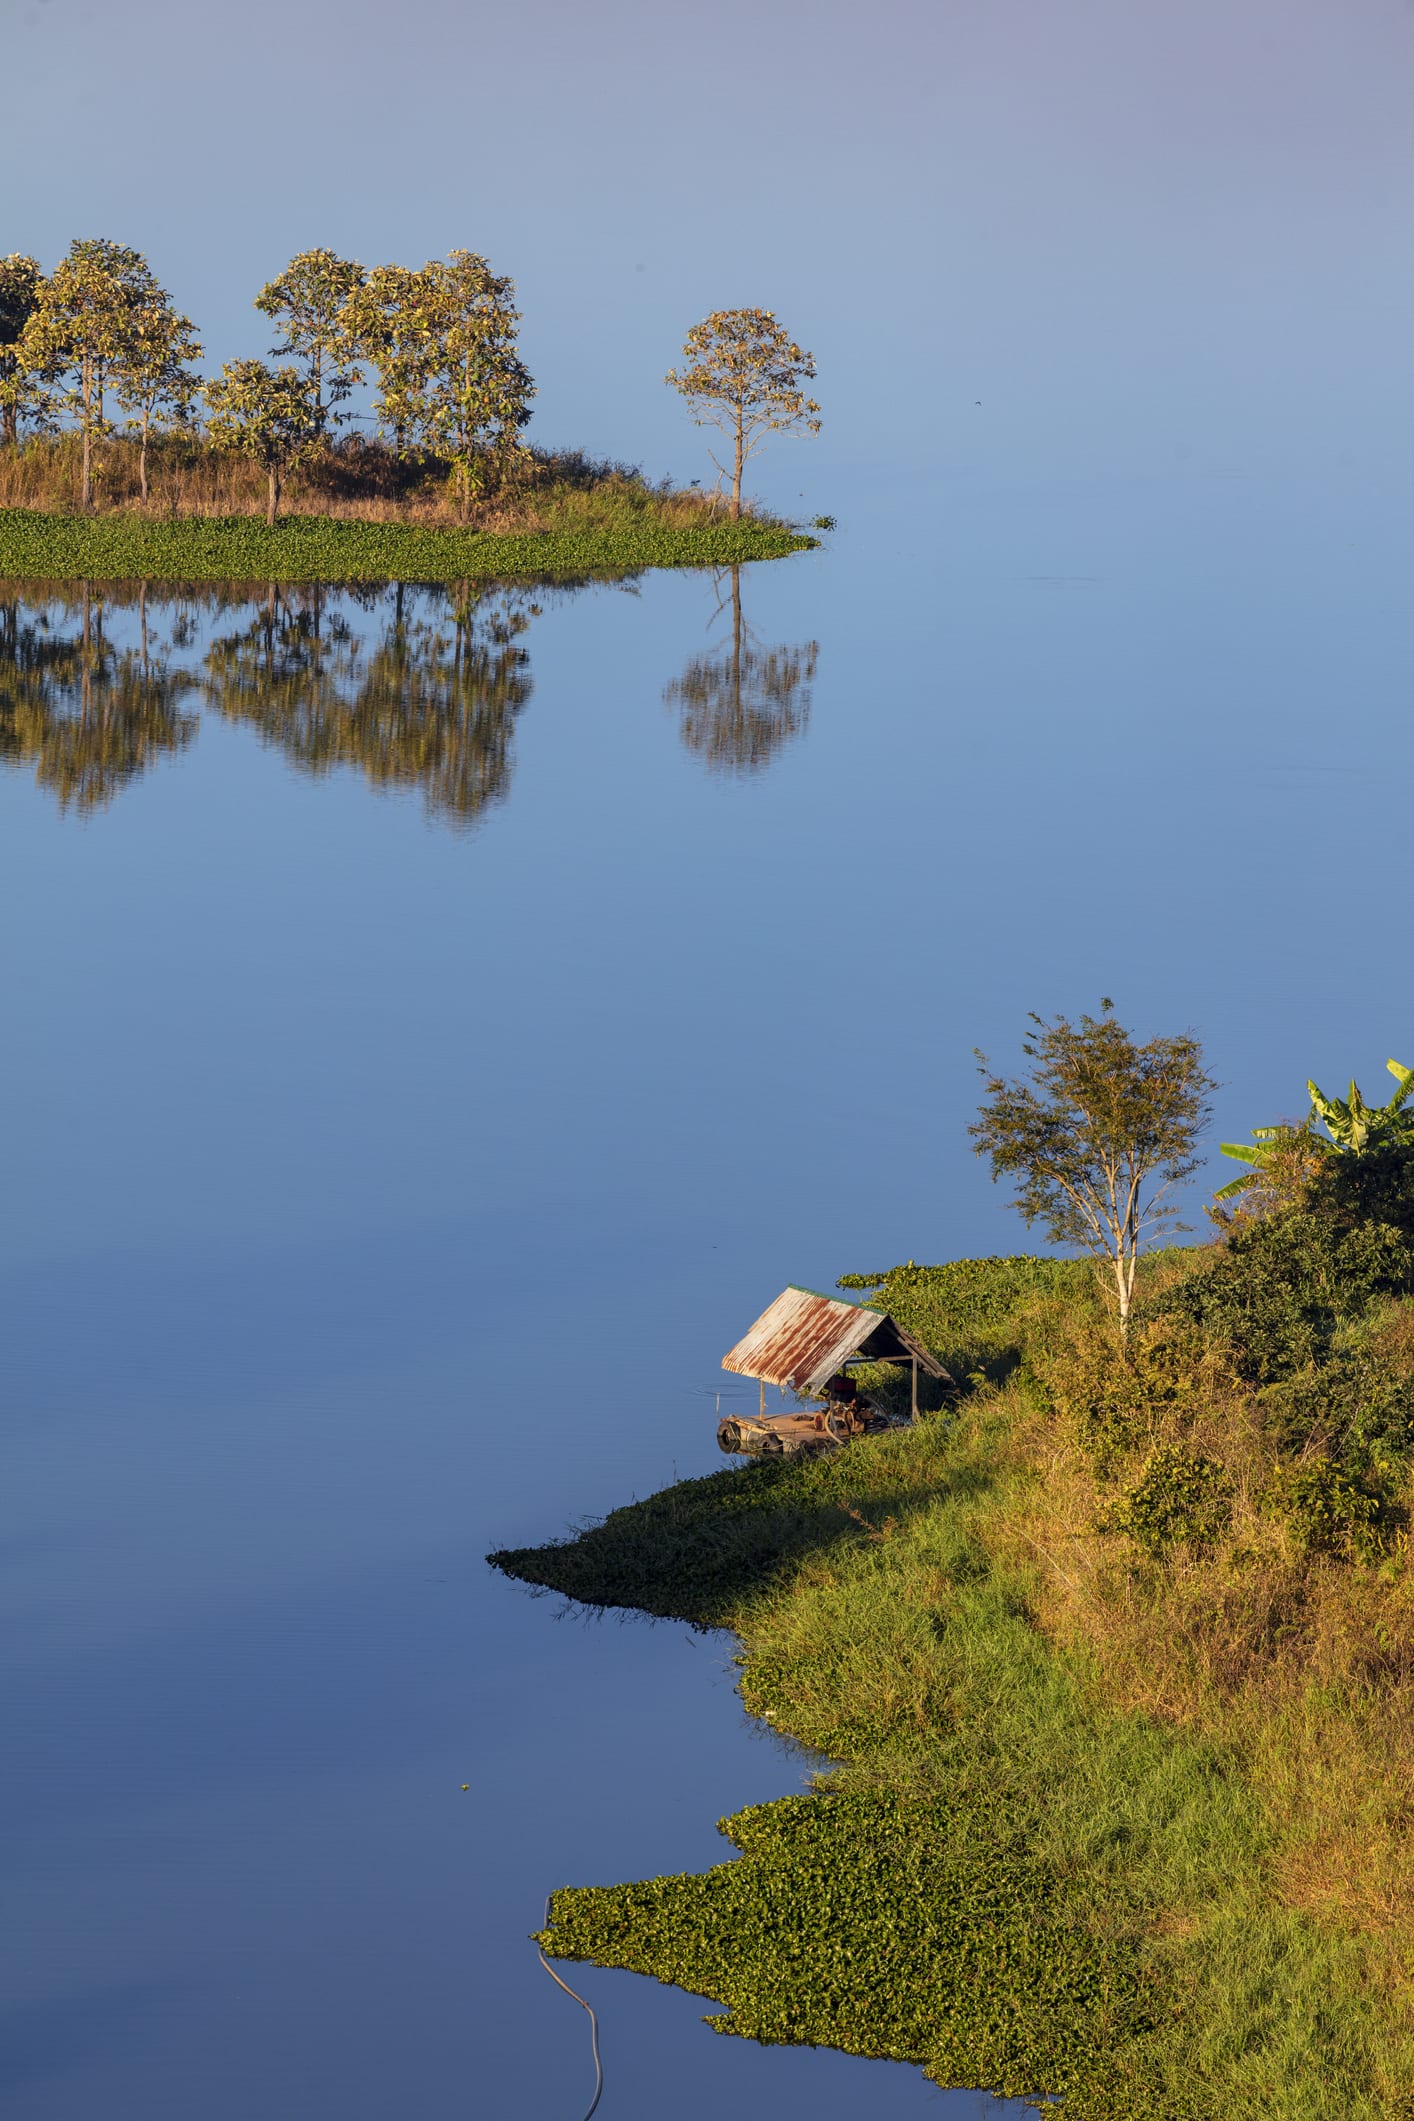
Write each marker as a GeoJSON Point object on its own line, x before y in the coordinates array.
{"type": "Point", "coordinates": [355, 480]}
{"type": "Point", "coordinates": [1298, 1662]}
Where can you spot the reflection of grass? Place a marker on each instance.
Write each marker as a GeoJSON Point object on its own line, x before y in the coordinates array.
{"type": "Point", "coordinates": [1012, 1876]}
{"type": "Point", "coordinates": [320, 549]}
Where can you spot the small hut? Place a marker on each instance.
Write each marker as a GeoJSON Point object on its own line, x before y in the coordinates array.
{"type": "Point", "coordinates": [806, 1342]}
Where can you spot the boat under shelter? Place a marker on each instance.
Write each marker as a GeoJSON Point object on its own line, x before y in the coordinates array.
{"type": "Point", "coordinates": [805, 1343]}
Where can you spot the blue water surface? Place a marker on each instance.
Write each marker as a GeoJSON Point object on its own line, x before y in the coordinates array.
{"type": "Point", "coordinates": [387, 1172]}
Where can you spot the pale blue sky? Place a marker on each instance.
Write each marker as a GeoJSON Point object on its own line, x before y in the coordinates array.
{"type": "Point", "coordinates": [1137, 234]}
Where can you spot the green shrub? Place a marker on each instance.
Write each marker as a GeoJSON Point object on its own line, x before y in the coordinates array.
{"type": "Point", "coordinates": [1117, 1398]}
{"type": "Point", "coordinates": [1180, 1498]}
{"type": "Point", "coordinates": [1328, 1510]}
{"type": "Point", "coordinates": [1357, 1407]}
{"type": "Point", "coordinates": [1283, 1287]}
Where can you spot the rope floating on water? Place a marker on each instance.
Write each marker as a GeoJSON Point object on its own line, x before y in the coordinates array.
{"type": "Point", "coordinates": [593, 2020]}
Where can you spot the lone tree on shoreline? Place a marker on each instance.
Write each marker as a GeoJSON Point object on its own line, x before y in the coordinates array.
{"type": "Point", "coordinates": [743, 374]}
{"type": "Point", "coordinates": [1097, 1136]}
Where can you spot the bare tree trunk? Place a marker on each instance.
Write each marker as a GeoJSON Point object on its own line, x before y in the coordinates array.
{"type": "Point", "coordinates": [142, 458]}
{"type": "Point", "coordinates": [86, 495]}
{"type": "Point", "coordinates": [12, 426]}
{"type": "Point", "coordinates": [272, 500]}
{"type": "Point", "coordinates": [740, 461]}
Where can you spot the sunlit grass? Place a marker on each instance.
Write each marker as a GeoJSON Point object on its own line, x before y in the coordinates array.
{"type": "Point", "coordinates": [1111, 1832]}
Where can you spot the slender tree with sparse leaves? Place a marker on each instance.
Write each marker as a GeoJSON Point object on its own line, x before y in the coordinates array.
{"type": "Point", "coordinates": [743, 374]}
{"type": "Point", "coordinates": [152, 381]}
{"type": "Point", "coordinates": [1097, 1136]}
{"type": "Point", "coordinates": [442, 339]}
{"type": "Point", "coordinates": [22, 392]}
{"type": "Point", "coordinates": [268, 414]}
{"type": "Point", "coordinates": [82, 327]}
{"type": "Point", "coordinates": [309, 304]}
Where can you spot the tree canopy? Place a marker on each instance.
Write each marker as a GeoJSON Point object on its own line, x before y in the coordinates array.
{"type": "Point", "coordinates": [22, 395]}
{"type": "Point", "coordinates": [309, 302]}
{"type": "Point", "coordinates": [451, 381]}
{"type": "Point", "coordinates": [268, 414]}
{"type": "Point", "coordinates": [82, 326]}
{"type": "Point", "coordinates": [1098, 1136]}
{"type": "Point", "coordinates": [153, 380]}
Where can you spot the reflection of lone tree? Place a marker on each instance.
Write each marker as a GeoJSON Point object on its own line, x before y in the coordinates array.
{"type": "Point", "coordinates": [91, 717]}
{"type": "Point", "coordinates": [433, 706]}
{"type": "Point", "coordinates": [740, 703]}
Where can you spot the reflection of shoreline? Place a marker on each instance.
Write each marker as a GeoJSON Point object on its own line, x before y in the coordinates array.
{"type": "Point", "coordinates": [741, 703]}
{"type": "Point", "coordinates": [416, 687]}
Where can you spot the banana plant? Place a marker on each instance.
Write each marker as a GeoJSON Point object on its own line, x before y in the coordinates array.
{"type": "Point", "coordinates": [1351, 1127]}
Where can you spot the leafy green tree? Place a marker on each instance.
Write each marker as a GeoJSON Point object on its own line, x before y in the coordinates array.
{"type": "Point", "coordinates": [1098, 1135]}
{"type": "Point", "coordinates": [452, 384]}
{"type": "Point", "coordinates": [740, 703]}
{"type": "Point", "coordinates": [743, 374]}
{"type": "Point", "coordinates": [82, 327]}
{"type": "Point", "coordinates": [1351, 1127]}
{"type": "Point", "coordinates": [268, 414]}
{"type": "Point", "coordinates": [309, 303]}
{"type": "Point", "coordinates": [152, 381]}
{"type": "Point", "coordinates": [22, 395]}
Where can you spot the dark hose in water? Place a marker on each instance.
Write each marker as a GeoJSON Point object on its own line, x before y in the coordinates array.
{"type": "Point", "coordinates": [593, 2021]}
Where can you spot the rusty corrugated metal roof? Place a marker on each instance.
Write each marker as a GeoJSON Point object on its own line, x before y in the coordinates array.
{"type": "Point", "coordinates": [804, 1338]}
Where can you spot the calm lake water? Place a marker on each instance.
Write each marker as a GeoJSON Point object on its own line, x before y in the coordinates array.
{"type": "Point", "coordinates": [431, 1037]}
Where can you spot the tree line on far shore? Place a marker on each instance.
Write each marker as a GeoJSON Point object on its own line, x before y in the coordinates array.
{"type": "Point", "coordinates": [440, 340]}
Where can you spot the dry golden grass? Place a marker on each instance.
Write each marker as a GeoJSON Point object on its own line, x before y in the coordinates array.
{"type": "Point", "coordinates": [1298, 1665]}
{"type": "Point", "coordinates": [356, 481]}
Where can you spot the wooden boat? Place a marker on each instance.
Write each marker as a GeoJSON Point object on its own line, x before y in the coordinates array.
{"type": "Point", "coordinates": [782, 1435]}
{"type": "Point", "coordinates": [779, 1435]}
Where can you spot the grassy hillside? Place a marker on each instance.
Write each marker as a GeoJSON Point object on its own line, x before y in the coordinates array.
{"type": "Point", "coordinates": [1114, 1657]}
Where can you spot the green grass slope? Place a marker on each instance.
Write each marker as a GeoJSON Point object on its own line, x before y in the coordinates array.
{"type": "Point", "coordinates": [1014, 1874]}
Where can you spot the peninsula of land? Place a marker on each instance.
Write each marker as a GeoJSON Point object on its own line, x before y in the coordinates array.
{"type": "Point", "coordinates": [1112, 1654]}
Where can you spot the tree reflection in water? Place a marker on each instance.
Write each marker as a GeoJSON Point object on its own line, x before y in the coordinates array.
{"type": "Point", "coordinates": [90, 716]}
{"type": "Point", "coordinates": [432, 705]}
{"type": "Point", "coordinates": [740, 703]}
{"type": "Point", "coordinates": [416, 687]}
